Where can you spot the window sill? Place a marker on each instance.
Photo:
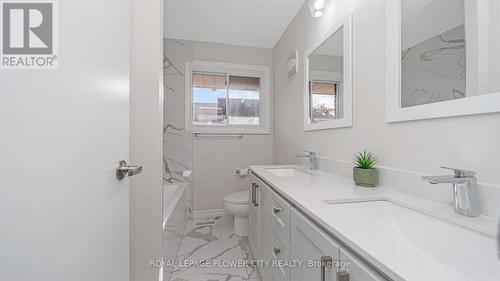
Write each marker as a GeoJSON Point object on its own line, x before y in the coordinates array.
{"type": "Point", "coordinates": [228, 130]}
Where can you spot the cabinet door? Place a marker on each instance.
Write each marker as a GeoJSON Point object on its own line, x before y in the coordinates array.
{"type": "Point", "coordinates": [355, 269]}
{"type": "Point", "coordinates": [254, 218]}
{"type": "Point", "coordinates": [280, 255]}
{"type": "Point", "coordinates": [310, 245]}
{"type": "Point", "coordinates": [265, 232]}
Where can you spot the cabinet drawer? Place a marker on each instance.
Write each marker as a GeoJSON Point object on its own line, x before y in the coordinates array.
{"type": "Point", "coordinates": [280, 253]}
{"type": "Point", "coordinates": [280, 215]}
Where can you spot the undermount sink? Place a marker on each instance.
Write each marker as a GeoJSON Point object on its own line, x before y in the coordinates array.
{"type": "Point", "coordinates": [454, 252]}
{"type": "Point", "coordinates": [288, 172]}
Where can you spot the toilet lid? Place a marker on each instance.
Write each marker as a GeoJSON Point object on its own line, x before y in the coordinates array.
{"type": "Point", "coordinates": [238, 198]}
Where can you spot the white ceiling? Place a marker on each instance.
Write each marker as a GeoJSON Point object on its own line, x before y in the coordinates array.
{"type": "Point", "coordinates": [254, 23]}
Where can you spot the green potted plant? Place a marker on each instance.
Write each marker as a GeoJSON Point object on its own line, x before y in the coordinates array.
{"type": "Point", "coordinates": [364, 174]}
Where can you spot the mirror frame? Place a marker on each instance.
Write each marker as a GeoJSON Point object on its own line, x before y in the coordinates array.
{"type": "Point", "coordinates": [480, 104]}
{"type": "Point", "coordinates": [346, 120]}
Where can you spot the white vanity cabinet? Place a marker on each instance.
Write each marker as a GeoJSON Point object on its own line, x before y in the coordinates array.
{"type": "Point", "coordinates": [312, 244]}
{"type": "Point", "coordinates": [281, 233]}
{"type": "Point", "coordinates": [273, 232]}
{"type": "Point", "coordinates": [313, 248]}
{"type": "Point", "coordinates": [266, 244]}
{"type": "Point", "coordinates": [254, 219]}
{"type": "Point", "coordinates": [278, 214]}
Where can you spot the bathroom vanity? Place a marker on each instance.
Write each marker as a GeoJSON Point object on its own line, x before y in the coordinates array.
{"type": "Point", "coordinates": [314, 225]}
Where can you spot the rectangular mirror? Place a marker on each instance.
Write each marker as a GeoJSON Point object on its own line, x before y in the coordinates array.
{"type": "Point", "coordinates": [442, 58]}
{"type": "Point", "coordinates": [328, 80]}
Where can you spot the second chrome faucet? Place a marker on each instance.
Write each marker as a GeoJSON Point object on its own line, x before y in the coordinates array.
{"type": "Point", "coordinates": [466, 197]}
{"type": "Point", "coordinates": [313, 163]}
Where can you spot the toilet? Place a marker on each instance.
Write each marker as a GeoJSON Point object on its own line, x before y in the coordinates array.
{"type": "Point", "coordinates": [237, 204]}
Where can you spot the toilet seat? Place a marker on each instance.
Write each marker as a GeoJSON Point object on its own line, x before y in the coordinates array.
{"type": "Point", "coordinates": [237, 198]}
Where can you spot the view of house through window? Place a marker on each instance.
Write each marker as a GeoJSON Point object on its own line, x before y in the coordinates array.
{"type": "Point", "coordinates": [223, 99]}
{"type": "Point", "coordinates": [323, 97]}
{"type": "Point", "coordinates": [244, 100]}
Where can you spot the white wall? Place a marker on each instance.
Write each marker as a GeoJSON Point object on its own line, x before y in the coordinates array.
{"type": "Point", "coordinates": [214, 160]}
{"type": "Point", "coordinates": [422, 146]}
{"type": "Point", "coordinates": [326, 63]}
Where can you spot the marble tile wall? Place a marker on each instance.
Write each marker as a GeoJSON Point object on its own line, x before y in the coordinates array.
{"type": "Point", "coordinates": [435, 69]}
{"type": "Point", "coordinates": [177, 142]}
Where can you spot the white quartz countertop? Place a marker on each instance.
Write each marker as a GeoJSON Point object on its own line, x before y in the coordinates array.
{"type": "Point", "coordinates": [394, 249]}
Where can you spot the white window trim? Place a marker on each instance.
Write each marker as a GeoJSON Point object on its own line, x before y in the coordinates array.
{"type": "Point", "coordinates": [263, 72]}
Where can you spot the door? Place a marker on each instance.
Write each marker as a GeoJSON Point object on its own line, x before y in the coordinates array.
{"type": "Point", "coordinates": [64, 215]}
{"type": "Point", "coordinates": [254, 218]}
{"type": "Point", "coordinates": [315, 249]}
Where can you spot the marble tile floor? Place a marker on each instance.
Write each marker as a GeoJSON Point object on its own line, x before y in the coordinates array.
{"type": "Point", "coordinates": [223, 255]}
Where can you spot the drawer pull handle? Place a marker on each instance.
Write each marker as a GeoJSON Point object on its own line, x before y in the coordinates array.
{"type": "Point", "coordinates": [276, 251]}
{"type": "Point", "coordinates": [326, 261]}
{"type": "Point", "coordinates": [343, 276]}
{"type": "Point", "coordinates": [277, 210]}
{"type": "Point", "coordinates": [255, 203]}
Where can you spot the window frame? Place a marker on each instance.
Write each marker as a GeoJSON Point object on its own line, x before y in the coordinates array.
{"type": "Point", "coordinates": [230, 69]}
{"type": "Point", "coordinates": [327, 77]}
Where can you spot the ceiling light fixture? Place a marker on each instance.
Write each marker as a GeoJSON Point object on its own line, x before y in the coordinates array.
{"type": "Point", "coordinates": [317, 8]}
{"type": "Point", "coordinates": [318, 14]}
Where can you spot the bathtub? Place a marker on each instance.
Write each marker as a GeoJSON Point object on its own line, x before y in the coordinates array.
{"type": "Point", "coordinates": [174, 223]}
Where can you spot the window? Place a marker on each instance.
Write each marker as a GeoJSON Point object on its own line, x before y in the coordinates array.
{"type": "Point", "coordinates": [209, 99]}
{"type": "Point", "coordinates": [244, 100]}
{"type": "Point", "coordinates": [227, 98]}
{"type": "Point", "coordinates": [323, 100]}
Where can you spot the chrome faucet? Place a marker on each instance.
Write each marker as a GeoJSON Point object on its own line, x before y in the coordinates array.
{"type": "Point", "coordinates": [313, 163]}
{"type": "Point", "coordinates": [465, 190]}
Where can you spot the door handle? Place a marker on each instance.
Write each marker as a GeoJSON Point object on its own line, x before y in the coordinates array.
{"type": "Point", "coordinates": [254, 194]}
{"type": "Point", "coordinates": [123, 170]}
{"type": "Point", "coordinates": [343, 276]}
{"type": "Point", "coordinates": [326, 261]}
{"type": "Point", "coordinates": [277, 210]}
{"type": "Point", "coordinates": [276, 251]}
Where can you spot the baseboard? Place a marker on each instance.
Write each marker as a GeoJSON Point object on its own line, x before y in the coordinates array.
{"type": "Point", "coordinates": [210, 213]}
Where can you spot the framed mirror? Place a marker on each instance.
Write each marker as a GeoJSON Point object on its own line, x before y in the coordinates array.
{"type": "Point", "coordinates": [328, 79]}
{"type": "Point", "coordinates": [442, 58]}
